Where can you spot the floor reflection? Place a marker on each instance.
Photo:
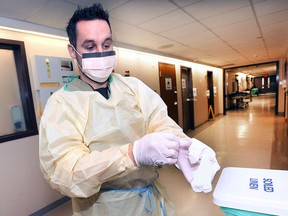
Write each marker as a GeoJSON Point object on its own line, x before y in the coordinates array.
{"type": "Point", "coordinates": [252, 137]}
{"type": "Point", "coordinates": [279, 154]}
{"type": "Point", "coordinates": [265, 105]}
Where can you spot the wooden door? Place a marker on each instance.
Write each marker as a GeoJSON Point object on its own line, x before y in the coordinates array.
{"type": "Point", "coordinates": [168, 89]}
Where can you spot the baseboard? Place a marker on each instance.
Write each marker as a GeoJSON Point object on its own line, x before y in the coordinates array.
{"type": "Point", "coordinates": [50, 207]}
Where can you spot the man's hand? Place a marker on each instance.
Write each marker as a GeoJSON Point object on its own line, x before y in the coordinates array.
{"type": "Point", "coordinates": [156, 149]}
{"type": "Point", "coordinates": [198, 163]}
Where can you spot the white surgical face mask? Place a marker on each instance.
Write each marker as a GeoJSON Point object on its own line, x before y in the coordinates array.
{"type": "Point", "coordinates": [98, 66]}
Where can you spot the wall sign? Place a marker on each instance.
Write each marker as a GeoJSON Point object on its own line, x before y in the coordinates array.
{"type": "Point", "coordinates": [195, 92]}
{"type": "Point", "coordinates": [168, 83]}
{"type": "Point", "coordinates": [183, 84]}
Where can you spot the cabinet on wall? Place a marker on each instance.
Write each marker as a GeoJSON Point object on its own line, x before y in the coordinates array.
{"type": "Point", "coordinates": [52, 74]}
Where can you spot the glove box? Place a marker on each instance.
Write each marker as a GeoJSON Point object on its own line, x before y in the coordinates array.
{"type": "Point", "coordinates": [253, 192]}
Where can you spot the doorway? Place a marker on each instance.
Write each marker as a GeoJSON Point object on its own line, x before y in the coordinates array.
{"type": "Point", "coordinates": [210, 93]}
{"type": "Point", "coordinates": [187, 99]}
{"type": "Point", "coordinates": [168, 89]}
{"type": "Point", "coordinates": [264, 78]}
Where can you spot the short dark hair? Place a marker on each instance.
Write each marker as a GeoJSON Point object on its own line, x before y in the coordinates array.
{"type": "Point", "coordinates": [93, 12]}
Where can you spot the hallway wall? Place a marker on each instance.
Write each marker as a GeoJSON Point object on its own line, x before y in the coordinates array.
{"type": "Point", "coordinates": [23, 188]}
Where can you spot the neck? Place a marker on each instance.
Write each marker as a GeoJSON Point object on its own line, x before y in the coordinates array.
{"type": "Point", "coordinates": [92, 83]}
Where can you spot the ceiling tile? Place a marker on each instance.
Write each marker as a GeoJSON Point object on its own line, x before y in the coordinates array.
{"type": "Point", "coordinates": [185, 30]}
{"type": "Point", "coordinates": [108, 5]}
{"type": "Point", "coordinates": [277, 53]}
{"type": "Point", "coordinates": [183, 3]}
{"type": "Point", "coordinates": [135, 36]}
{"type": "Point", "coordinates": [52, 14]}
{"type": "Point", "coordinates": [246, 29]}
{"type": "Point", "coordinates": [175, 19]}
{"type": "Point", "coordinates": [177, 49]}
{"type": "Point", "coordinates": [276, 37]}
{"type": "Point", "coordinates": [12, 8]}
{"type": "Point", "coordinates": [202, 40]}
{"type": "Point", "coordinates": [210, 8]}
{"type": "Point", "coordinates": [242, 43]}
{"type": "Point", "coordinates": [268, 7]}
{"type": "Point", "coordinates": [275, 27]}
{"type": "Point", "coordinates": [228, 18]}
{"type": "Point", "coordinates": [193, 54]}
{"type": "Point", "coordinates": [273, 17]}
{"type": "Point", "coordinates": [138, 11]}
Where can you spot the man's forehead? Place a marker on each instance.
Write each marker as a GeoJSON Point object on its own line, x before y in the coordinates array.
{"type": "Point", "coordinates": [92, 29]}
{"type": "Point", "coordinates": [95, 24]}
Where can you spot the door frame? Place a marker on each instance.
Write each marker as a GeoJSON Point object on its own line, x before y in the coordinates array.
{"type": "Point", "coordinates": [191, 98]}
{"type": "Point", "coordinates": [277, 85]}
{"type": "Point", "coordinates": [210, 88]}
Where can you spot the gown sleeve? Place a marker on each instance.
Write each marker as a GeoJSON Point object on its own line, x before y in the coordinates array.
{"type": "Point", "coordinates": [66, 162]}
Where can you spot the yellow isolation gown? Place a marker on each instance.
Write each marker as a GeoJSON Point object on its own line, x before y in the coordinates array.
{"type": "Point", "coordinates": [84, 142]}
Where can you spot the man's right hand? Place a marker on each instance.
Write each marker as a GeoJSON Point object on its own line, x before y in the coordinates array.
{"type": "Point", "coordinates": [156, 149]}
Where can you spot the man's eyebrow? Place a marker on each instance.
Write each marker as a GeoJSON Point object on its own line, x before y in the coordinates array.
{"type": "Point", "coordinates": [108, 39]}
{"type": "Point", "coordinates": [87, 42]}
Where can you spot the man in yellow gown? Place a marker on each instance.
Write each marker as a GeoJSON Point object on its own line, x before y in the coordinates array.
{"type": "Point", "coordinates": [103, 136]}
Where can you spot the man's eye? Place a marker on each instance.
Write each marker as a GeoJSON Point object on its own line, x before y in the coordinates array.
{"type": "Point", "coordinates": [106, 46]}
{"type": "Point", "coordinates": [90, 48]}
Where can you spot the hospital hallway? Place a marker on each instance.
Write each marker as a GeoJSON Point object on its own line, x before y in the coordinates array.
{"type": "Point", "coordinates": [250, 138]}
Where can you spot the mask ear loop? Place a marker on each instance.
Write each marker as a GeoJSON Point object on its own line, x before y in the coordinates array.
{"type": "Point", "coordinates": [75, 50]}
{"type": "Point", "coordinates": [76, 58]}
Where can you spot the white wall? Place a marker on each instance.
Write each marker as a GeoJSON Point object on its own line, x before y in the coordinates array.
{"type": "Point", "coordinates": [23, 188]}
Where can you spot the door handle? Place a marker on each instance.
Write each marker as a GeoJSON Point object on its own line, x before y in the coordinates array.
{"type": "Point", "coordinates": [175, 103]}
{"type": "Point", "coordinates": [189, 99]}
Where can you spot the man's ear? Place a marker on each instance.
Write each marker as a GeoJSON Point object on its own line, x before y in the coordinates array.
{"type": "Point", "coordinates": [71, 51]}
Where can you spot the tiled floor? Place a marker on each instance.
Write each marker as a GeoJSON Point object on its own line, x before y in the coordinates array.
{"type": "Point", "coordinates": [252, 138]}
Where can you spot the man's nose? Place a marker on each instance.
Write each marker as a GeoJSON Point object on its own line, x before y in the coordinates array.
{"type": "Point", "coordinates": [99, 49]}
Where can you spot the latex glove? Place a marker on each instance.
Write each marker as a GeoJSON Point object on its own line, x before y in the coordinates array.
{"type": "Point", "coordinates": [156, 149]}
{"type": "Point", "coordinates": [204, 158]}
{"type": "Point", "coordinates": [183, 162]}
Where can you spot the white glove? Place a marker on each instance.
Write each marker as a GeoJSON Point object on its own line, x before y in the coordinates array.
{"type": "Point", "coordinates": [156, 149]}
{"type": "Point", "coordinates": [204, 158]}
{"type": "Point", "coordinates": [183, 162]}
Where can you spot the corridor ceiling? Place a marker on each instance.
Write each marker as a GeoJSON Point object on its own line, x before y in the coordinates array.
{"type": "Point", "coordinates": [221, 33]}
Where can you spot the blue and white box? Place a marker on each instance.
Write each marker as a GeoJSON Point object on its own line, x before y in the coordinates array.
{"type": "Point", "coordinates": [249, 191]}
